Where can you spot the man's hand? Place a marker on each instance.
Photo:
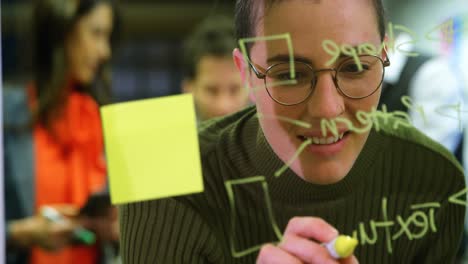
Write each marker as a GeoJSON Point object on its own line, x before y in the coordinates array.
{"type": "Point", "coordinates": [100, 216]}
{"type": "Point", "coordinates": [105, 226]}
{"type": "Point", "coordinates": [302, 244]}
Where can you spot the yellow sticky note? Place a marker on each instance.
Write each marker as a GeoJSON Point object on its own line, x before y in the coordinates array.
{"type": "Point", "coordinates": [152, 149]}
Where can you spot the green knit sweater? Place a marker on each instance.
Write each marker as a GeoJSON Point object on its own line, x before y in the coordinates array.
{"type": "Point", "coordinates": [399, 199]}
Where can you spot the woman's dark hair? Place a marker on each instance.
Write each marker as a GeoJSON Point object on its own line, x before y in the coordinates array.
{"type": "Point", "coordinates": [246, 16]}
{"type": "Point", "coordinates": [53, 21]}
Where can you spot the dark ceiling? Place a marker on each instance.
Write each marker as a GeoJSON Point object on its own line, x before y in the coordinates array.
{"type": "Point", "coordinates": [142, 19]}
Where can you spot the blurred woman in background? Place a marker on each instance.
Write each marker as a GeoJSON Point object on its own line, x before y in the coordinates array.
{"type": "Point", "coordinates": [53, 141]}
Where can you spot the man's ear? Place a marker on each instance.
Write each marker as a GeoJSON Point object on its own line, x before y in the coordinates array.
{"type": "Point", "coordinates": [240, 62]}
{"type": "Point", "coordinates": [243, 67]}
{"type": "Point", "coordinates": [384, 51]}
{"type": "Point", "coordinates": [187, 85]}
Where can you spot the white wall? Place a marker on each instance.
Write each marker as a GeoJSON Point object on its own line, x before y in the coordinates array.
{"type": "Point", "coordinates": [421, 16]}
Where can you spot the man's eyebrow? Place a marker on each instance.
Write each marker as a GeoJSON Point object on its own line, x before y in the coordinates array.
{"type": "Point", "coordinates": [347, 55]}
{"type": "Point", "coordinates": [303, 59]}
{"type": "Point", "coordinates": [287, 58]}
{"type": "Point", "coordinates": [355, 50]}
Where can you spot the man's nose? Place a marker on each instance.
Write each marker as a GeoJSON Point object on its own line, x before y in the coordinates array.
{"type": "Point", "coordinates": [225, 105]}
{"type": "Point", "coordinates": [325, 101]}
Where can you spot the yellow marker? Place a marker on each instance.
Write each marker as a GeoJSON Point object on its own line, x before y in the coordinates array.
{"type": "Point", "coordinates": [341, 247]}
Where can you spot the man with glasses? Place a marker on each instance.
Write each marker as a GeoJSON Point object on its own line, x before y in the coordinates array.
{"type": "Point", "coordinates": [286, 176]}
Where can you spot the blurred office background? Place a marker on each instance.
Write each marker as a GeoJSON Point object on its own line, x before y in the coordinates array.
{"type": "Point", "coordinates": [422, 16]}
{"type": "Point", "coordinates": [147, 61]}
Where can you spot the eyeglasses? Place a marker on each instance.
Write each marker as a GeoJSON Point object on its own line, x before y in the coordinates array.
{"type": "Point", "coordinates": [351, 79]}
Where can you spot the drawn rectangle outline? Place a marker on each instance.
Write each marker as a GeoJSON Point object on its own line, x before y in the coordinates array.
{"type": "Point", "coordinates": [229, 189]}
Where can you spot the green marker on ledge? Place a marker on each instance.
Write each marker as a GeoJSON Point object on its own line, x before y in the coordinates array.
{"type": "Point", "coordinates": [81, 234]}
{"type": "Point", "coordinates": [341, 247]}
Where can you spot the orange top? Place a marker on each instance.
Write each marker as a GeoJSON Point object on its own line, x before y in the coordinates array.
{"type": "Point", "coordinates": [69, 166]}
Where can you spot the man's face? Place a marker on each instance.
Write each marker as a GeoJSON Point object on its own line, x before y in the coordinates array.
{"type": "Point", "coordinates": [309, 23]}
{"type": "Point", "coordinates": [217, 88]}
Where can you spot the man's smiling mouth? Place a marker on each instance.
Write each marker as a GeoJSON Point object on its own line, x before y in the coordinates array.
{"type": "Point", "coordinates": [320, 140]}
